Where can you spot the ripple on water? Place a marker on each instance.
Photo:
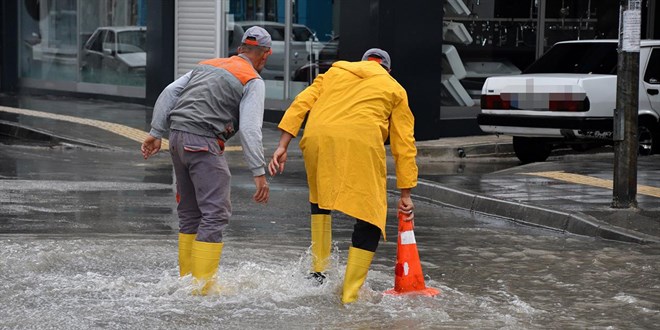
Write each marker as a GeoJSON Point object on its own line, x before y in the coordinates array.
{"type": "Point", "coordinates": [107, 282]}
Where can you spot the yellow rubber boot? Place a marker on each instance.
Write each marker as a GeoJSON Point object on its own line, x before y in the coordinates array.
{"type": "Point", "coordinates": [185, 247]}
{"type": "Point", "coordinates": [357, 266]}
{"type": "Point", "coordinates": [321, 241]}
{"type": "Point", "coordinates": [205, 260]}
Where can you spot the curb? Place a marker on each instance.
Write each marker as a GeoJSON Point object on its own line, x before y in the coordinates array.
{"type": "Point", "coordinates": [23, 132]}
{"type": "Point", "coordinates": [467, 151]}
{"type": "Point", "coordinates": [575, 223]}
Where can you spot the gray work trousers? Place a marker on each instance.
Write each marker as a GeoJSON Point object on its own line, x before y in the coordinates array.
{"type": "Point", "coordinates": [203, 182]}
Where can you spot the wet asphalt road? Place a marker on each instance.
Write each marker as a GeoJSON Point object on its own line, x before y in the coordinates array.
{"type": "Point", "coordinates": [100, 227]}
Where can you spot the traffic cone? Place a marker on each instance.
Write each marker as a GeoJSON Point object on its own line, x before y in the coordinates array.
{"type": "Point", "coordinates": [409, 278]}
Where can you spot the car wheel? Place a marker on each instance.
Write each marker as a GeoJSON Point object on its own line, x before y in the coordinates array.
{"type": "Point", "coordinates": [581, 146]}
{"type": "Point", "coordinates": [648, 133]}
{"type": "Point", "coordinates": [530, 150]}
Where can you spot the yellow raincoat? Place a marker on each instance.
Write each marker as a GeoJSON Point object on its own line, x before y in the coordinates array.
{"type": "Point", "coordinates": [353, 108]}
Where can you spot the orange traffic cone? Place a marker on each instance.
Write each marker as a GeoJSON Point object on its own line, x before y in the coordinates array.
{"type": "Point", "coordinates": [409, 278]}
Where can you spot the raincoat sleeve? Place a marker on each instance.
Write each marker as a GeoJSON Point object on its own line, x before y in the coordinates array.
{"type": "Point", "coordinates": [302, 104]}
{"type": "Point", "coordinates": [402, 144]}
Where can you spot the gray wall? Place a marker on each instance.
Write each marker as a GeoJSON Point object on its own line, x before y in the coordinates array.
{"type": "Point", "coordinates": [8, 45]}
{"type": "Point", "coordinates": [160, 48]}
{"type": "Point", "coordinates": [411, 32]}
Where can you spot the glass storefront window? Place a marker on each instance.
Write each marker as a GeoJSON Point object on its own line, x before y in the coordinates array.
{"type": "Point", "coordinates": [81, 42]}
{"type": "Point", "coordinates": [484, 38]}
{"type": "Point", "coordinates": [114, 43]}
{"type": "Point", "coordinates": [311, 24]}
{"type": "Point", "coordinates": [115, 55]}
{"type": "Point", "coordinates": [48, 32]}
{"type": "Point", "coordinates": [580, 19]}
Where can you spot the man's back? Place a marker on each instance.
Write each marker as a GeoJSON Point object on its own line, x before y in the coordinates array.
{"type": "Point", "coordinates": [209, 104]}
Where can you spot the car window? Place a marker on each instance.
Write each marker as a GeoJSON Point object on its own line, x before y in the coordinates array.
{"type": "Point", "coordinates": [301, 33]}
{"type": "Point", "coordinates": [652, 75]}
{"type": "Point", "coordinates": [588, 57]}
{"type": "Point", "coordinates": [96, 41]}
{"type": "Point", "coordinates": [131, 42]}
{"type": "Point", "coordinates": [109, 42]}
{"type": "Point", "coordinates": [276, 32]}
{"type": "Point", "coordinates": [329, 51]}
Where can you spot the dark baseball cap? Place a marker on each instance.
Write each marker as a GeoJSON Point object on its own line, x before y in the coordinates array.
{"type": "Point", "coordinates": [378, 55]}
{"type": "Point", "coordinates": [257, 36]}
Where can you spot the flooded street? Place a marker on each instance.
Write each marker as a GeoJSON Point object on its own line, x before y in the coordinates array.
{"type": "Point", "coordinates": [89, 241]}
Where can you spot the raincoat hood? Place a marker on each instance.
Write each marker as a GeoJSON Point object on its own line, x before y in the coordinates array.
{"type": "Point", "coordinates": [362, 69]}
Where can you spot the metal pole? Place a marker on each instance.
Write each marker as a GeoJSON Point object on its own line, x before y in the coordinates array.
{"type": "Point", "coordinates": [540, 29]}
{"type": "Point", "coordinates": [650, 21]}
{"type": "Point", "coordinates": [627, 103]}
{"type": "Point", "coordinates": [222, 41]}
{"type": "Point", "coordinates": [287, 48]}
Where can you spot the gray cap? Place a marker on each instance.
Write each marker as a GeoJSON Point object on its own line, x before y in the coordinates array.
{"type": "Point", "coordinates": [256, 36]}
{"type": "Point", "coordinates": [378, 55]}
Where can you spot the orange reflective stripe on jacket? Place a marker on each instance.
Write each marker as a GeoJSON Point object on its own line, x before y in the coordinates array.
{"type": "Point", "coordinates": [239, 67]}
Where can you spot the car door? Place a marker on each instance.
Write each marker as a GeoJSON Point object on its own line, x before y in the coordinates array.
{"type": "Point", "coordinates": [93, 54]}
{"type": "Point", "coordinates": [110, 51]}
{"type": "Point", "coordinates": [651, 79]}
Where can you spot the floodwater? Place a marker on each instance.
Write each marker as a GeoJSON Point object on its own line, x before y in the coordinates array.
{"type": "Point", "coordinates": [88, 240]}
{"type": "Point", "coordinates": [491, 276]}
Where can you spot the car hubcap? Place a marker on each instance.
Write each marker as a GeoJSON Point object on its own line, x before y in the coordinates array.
{"type": "Point", "coordinates": [645, 141]}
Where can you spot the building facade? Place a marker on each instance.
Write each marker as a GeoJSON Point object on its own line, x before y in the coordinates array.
{"type": "Point", "coordinates": [131, 49]}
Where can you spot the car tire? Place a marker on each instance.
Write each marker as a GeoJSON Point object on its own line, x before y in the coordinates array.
{"type": "Point", "coordinates": [581, 146]}
{"type": "Point", "coordinates": [648, 133]}
{"type": "Point", "coordinates": [531, 150]}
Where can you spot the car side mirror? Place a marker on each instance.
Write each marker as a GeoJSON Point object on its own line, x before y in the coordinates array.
{"type": "Point", "coordinates": [108, 51]}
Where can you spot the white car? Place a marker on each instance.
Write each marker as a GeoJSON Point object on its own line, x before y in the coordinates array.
{"type": "Point", "coordinates": [116, 48]}
{"type": "Point", "coordinates": [568, 96]}
{"type": "Point", "coordinates": [303, 43]}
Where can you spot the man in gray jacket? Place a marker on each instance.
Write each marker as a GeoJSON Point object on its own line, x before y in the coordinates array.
{"type": "Point", "coordinates": [204, 109]}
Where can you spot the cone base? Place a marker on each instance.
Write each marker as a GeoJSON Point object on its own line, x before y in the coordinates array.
{"type": "Point", "coordinates": [429, 292]}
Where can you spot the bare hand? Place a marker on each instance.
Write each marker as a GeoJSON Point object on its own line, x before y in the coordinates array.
{"type": "Point", "coordinates": [150, 146]}
{"type": "Point", "coordinates": [276, 164]}
{"type": "Point", "coordinates": [406, 205]}
{"type": "Point", "coordinates": [262, 193]}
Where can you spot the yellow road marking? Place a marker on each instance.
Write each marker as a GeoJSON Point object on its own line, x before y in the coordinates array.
{"type": "Point", "coordinates": [591, 181]}
{"type": "Point", "coordinates": [123, 130]}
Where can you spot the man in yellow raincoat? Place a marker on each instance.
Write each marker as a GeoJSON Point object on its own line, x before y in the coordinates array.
{"type": "Point", "coordinates": [351, 110]}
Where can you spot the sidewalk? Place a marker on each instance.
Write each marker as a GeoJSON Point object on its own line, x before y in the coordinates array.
{"type": "Point", "coordinates": [572, 194]}
{"type": "Point", "coordinates": [568, 195]}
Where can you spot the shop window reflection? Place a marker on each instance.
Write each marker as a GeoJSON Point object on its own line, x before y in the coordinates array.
{"type": "Point", "coordinates": [115, 55]}
{"type": "Point", "coordinates": [114, 51]}
{"type": "Point", "coordinates": [485, 38]}
{"type": "Point", "coordinates": [312, 23]}
{"type": "Point", "coordinates": [107, 47]}
{"type": "Point", "coordinates": [48, 31]}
